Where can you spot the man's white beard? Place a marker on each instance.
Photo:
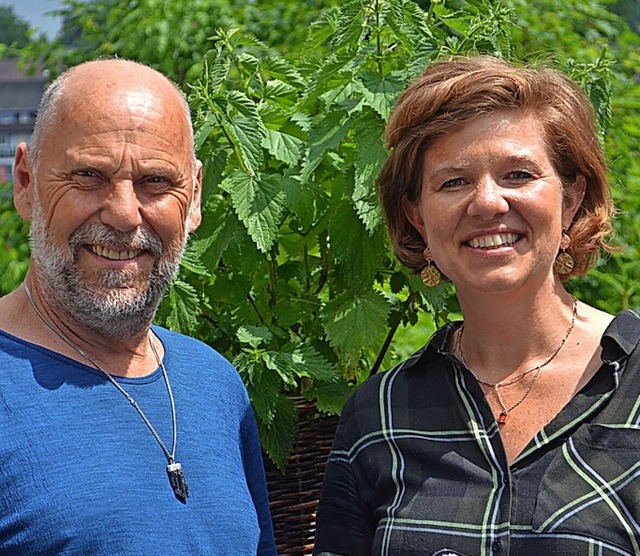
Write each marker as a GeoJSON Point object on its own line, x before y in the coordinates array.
{"type": "Point", "coordinates": [122, 303]}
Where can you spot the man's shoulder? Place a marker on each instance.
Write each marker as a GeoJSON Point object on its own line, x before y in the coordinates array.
{"type": "Point", "coordinates": [190, 352]}
{"type": "Point", "coordinates": [14, 347]}
{"type": "Point", "coordinates": [173, 339]}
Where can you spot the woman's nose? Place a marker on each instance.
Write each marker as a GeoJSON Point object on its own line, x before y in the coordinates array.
{"type": "Point", "coordinates": [488, 199]}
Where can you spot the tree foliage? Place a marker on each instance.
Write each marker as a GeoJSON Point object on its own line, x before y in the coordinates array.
{"type": "Point", "coordinates": [172, 37]}
{"type": "Point", "coordinates": [14, 32]}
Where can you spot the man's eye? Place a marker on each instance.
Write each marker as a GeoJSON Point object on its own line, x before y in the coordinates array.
{"type": "Point", "coordinates": [157, 180]}
{"type": "Point", "coordinates": [87, 173]}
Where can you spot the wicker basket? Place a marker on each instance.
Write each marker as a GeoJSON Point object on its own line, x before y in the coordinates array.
{"type": "Point", "coordinates": [294, 495]}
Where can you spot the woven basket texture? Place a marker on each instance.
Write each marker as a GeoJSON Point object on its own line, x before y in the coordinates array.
{"type": "Point", "coordinates": [294, 496]}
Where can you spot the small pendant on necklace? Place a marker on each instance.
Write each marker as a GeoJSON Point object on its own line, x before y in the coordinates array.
{"type": "Point", "coordinates": [502, 418]}
{"type": "Point", "coordinates": [178, 482]}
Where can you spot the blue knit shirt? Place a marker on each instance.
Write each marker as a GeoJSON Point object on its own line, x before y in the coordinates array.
{"type": "Point", "coordinates": [80, 472]}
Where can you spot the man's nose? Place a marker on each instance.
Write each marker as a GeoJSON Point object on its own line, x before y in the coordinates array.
{"type": "Point", "coordinates": [121, 208]}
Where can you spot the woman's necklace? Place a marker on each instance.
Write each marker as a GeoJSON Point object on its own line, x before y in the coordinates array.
{"type": "Point", "coordinates": [174, 469]}
{"type": "Point", "coordinates": [502, 418]}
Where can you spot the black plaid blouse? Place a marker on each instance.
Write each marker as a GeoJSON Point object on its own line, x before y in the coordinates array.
{"type": "Point", "coordinates": [417, 465]}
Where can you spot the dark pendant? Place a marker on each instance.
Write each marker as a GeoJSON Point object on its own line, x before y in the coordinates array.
{"type": "Point", "coordinates": [178, 482]}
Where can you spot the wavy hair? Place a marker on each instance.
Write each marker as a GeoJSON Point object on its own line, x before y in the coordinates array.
{"type": "Point", "coordinates": [453, 92]}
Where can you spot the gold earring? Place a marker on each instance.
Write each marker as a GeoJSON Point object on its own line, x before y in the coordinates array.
{"type": "Point", "coordinates": [564, 262]}
{"type": "Point", "coordinates": [430, 274]}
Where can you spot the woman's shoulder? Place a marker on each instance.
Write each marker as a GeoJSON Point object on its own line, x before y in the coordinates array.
{"type": "Point", "coordinates": [410, 370]}
{"type": "Point", "coordinates": [623, 331]}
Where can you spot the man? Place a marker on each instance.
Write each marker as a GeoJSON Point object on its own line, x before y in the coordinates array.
{"type": "Point", "coordinates": [117, 437]}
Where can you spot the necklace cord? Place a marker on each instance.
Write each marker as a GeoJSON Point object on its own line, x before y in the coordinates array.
{"type": "Point", "coordinates": [169, 455]}
{"type": "Point", "coordinates": [537, 368]}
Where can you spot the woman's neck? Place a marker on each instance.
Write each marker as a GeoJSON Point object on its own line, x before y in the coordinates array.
{"type": "Point", "coordinates": [505, 335]}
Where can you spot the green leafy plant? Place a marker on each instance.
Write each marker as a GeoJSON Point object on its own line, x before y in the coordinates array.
{"type": "Point", "coordinates": [14, 251]}
{"type": "Point", "coordinates": [290, 274]}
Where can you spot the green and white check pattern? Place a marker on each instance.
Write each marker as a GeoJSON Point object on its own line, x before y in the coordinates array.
{"type": "Point", "coordinates": [418, 466]}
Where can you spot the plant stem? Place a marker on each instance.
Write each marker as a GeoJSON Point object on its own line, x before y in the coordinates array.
{"type": "Point", "coordinates": [392, 331]}
{"type": "Point", "coordinates": [272, 280]}
{"type": "Point", "coordinates": [255, 308]}
{"type": "Point", "coordinates": [378, 41]}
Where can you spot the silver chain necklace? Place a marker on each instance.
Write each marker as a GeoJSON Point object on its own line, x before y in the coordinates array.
{"type": "Point", "coordinates": [502, 418]}
{"type": "Point", "coordinates": [174, 469]}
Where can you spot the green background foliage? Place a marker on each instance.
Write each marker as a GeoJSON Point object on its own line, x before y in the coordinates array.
{"type": "Point", "coordinates": [14, 32]}
{"type": "Point", "coordinates": [290, 275]}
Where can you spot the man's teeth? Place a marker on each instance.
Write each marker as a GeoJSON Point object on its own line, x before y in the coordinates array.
{"type": "Point", "coordinates": [493, 241]}
{"type": "Point", "coordinates": [114, 255]}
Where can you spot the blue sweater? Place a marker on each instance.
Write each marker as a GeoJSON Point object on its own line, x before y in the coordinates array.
{"type": "Point", "coordinates": [80, 473]}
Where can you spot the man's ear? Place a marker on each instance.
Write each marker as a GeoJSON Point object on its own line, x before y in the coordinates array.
{"type": "Point", "coordinates": [23, 182]}
{"type": "Point", "coordinates": [195, 210]}
{"type": "Point", "coordinates": [573, 197]}
{"type": "Point", "coordinates": [414, 215]}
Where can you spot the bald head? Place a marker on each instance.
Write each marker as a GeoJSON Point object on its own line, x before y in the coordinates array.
{"type": "Point", "coordinates": [97, 86]}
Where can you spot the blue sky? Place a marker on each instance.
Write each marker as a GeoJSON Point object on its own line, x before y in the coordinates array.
{"type": "Point", "coordinates": [35, 13]}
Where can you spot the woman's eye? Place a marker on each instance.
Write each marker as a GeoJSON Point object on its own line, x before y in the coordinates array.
{"type": "Point", "coordinates": [519, 175]}
{"type": "Point", "coordinates": [455, 182]}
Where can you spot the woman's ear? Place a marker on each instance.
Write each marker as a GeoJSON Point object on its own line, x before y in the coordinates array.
{"type": "Point", "coordinates": [414, 215]}
{"type": "Point", "coordinates": [23, 182]}
{"type": "Point", "coordinates": [573, 197]}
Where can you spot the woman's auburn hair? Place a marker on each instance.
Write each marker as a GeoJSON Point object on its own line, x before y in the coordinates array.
{"type": "Point", "coordinates": [453, 92]}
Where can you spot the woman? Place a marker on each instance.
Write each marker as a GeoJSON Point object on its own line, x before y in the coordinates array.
{"type": "Point", "coordinates": [516, 431]}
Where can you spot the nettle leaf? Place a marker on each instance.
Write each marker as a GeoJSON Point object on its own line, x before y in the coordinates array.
{"type": "Point", "coordinates": [259, 203]}
{"type": "Point", "coordinates": [330, 398]}
{"type": "Point", "coordinates": [369, 159]}
{"type": "Point", "coordinates": [305, 201]}
{"type": "Point", "coordinates": [263, 385]}
{"type": "Point", "coordinates": [184, 307]}
{"type": "Point", "coordinates": [334, 74]}
{"type": "Point", "coordinates": [191, 260]}
{"type": "Point", "coordinates": [397, 282]}
{"type": "Point", "coordinates": [328, 133]}
{"type": "Point", "coordinates": [277, 437]}
{"type": "Point", "coordinates": [253, 335]}
{"type": "Point", "coordinates": [279, 68]}
{"type": "Point", "coordinates": [214, 167]}
{"type": "Point", "coordinates": [248, 62]}
{"type": "Point", "coordinates": [216, 73]}
{"type": "Point", "coordinates": [348, 25]}
{"type": "Point", "coordinates": [245, 106]}
{"type": "Point", "coordinates": [305, 361]}
{"type": "Point", "coordinates": [278, 362]}
{"type": "Point", "coordinates": [356, 322]}
{"type": "Point", "coordinates": [283, 147]}
{"type": "Point", "coordinates": [380, 91]}
{"type": "Point", "coordinates": [264, 396]}
{"type": "Point", "coordinates": [203, 131]}
{"type": "Point", "coordinates": [355, 250]}
{"type": "Point", "coordinates": [277, 88]}
{"type": "Point", "coordinates": [215, 233]}
{"type": "Point", "coordinates": [246, 137]}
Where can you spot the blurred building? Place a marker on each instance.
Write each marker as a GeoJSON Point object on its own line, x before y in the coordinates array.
{"type": "Point", "coordinates": [19, 99]}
